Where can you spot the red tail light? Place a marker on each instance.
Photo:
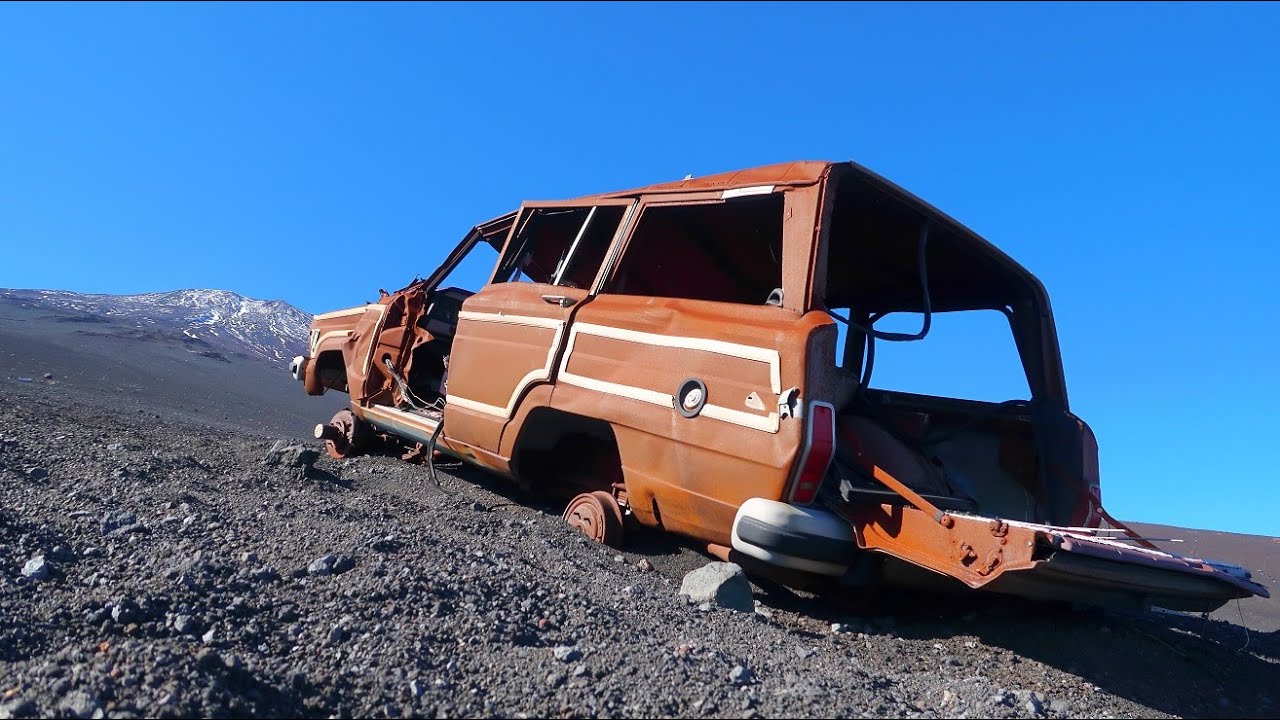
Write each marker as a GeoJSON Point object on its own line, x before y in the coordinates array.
{"type": "Point", "coordinates": [815, 456]}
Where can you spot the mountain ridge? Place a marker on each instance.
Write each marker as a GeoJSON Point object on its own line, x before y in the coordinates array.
{"type": "Point", "coordinates": [271, 330]}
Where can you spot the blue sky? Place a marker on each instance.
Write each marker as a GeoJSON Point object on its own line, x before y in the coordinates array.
{"type": "Point", "coordinates": [1126, 154]}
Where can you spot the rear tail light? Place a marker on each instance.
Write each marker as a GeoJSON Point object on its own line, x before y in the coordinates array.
{"type": "Point", "coordinates": [815, 456]}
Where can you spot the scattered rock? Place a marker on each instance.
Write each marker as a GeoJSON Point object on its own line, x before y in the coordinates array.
{"type": "Point", "coordinates": [117, 519]}
{"type": "Point", "coordinates": [322, 565]}
{"type": "Point", "coordinates": [78, 704]}
{"type": "Point", "coordinates": [125, 611]}
{"type": "Point", "coordinates": [36, 569]}
{"type": "Point", "coordinates": [337, 634]}
{"type": "Point", "coordinates": [721, 583]}
{"type": "Point", "coordinates": [37, 473]}
{"type": "Point", "coordinates": [285, 454]}
{"type": "Point", "coordinates": [566, 653]}
{"type": "Point", "coordinates": [343, 563]}
{"type": "Point", "coordinates": [644, 565]}
{"type": "Point", "coordinates": [740, 675]}
{"type": "Point", "coordinates": [185, 625]}
{"type": "Point", "coordinates": [18, 708]}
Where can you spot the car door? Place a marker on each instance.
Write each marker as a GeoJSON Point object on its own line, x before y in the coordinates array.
{"type": "Point", "coordinates": [389, 330]}
{"type": "Point", "coordinates": [510, 333]}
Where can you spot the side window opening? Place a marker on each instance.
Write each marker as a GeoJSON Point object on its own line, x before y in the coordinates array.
{"type": "Point", "coordinates": [727, 252]}
{"type": "Point", "coordinates": [473, 270]}
{"type": "Point", "coordinates": [560, 246]}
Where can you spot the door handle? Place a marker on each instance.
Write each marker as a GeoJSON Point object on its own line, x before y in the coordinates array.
{"type": "Point", "coordinates": [563, 301]}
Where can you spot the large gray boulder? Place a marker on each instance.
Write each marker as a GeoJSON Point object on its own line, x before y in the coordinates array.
{"type": "Point", "coordinates": [719, 583]}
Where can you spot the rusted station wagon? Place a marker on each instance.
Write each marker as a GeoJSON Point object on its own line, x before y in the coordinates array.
{"type": "Point", "coordinates": [672, 356]}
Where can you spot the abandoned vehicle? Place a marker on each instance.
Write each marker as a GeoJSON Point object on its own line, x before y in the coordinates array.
{"type": "Point", "coordinates": [697, 356]}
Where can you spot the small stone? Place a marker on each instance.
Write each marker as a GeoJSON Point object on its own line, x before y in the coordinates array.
{"type": "Point", "coordinates": [336, 635]}
{"type": "Point", "coordinates": [580, 670]}
{"type": "Point", "coordinates": [18, 708]}
{"type": "Point", "coordinates": [207, 658]}
{"type": "Point", "coordinates": [36, 569]}
{"type": "Point", "coordinates": [125, 611]}
{"type": "Point", "coordinates": [266, 574]}
{"type": "Point", "coordinates": [249, 558]}
{"type": "Point", "coordinates": [37, 473]}
{"type": "Point", "coordinates": [322, 565]}
{"type": "Point", "coordinates": [970, 644]}
{"type": "Point", "coordinates": [838, 628]}
{"type": "Point", "coordinates": [704, 607]}
{"type": "Point", "coordinates": [803, 651]}
{"type": "Point", "coordinates": [566, 653]}
{"type": "Point", "coordinates": [478, 506]}
{"type": "Point", "coordinates": [740, 675]}
{"type": "Point", "coordinates": [290, 455]}
{"type": "Point", "coordinates": [120, 518]}
{"type": "Point", "coordinates": [48, 376]}
{"type": "Point", "coordinates": [416, 688]}
{"type": "Point", "coordinates": [721, 583]}
{"type": "Point", "coordinates": [947, 697]}
{"type": "Point", "coordinates": [184, 625]}
{"type": "Point", "coordinates": [644, 565]}
{"type": "Point", "coordinates": [555, 679]}
{"type": "Point", "coordinates": [343, 563]}
{"type": "Point", "coordinates": [78, 704]}
{"type": "Point", "coordinates": [207, 637]}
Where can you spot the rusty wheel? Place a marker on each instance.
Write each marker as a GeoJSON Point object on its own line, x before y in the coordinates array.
{"type": "Point", "coordinates": [343, 436]}
{"type": "Point", "coordinates": [597, 516]}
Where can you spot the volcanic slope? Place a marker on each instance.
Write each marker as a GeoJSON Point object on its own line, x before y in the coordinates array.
{"type": "Point", "coordinates": [152, 564]}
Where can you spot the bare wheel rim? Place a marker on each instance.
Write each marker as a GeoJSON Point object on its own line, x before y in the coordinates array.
{"type": "Point", "coordinates": [597, 516]}
{"type": "Point", "coordinates": [344, 420]}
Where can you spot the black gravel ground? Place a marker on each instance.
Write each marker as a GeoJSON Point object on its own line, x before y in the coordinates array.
{"type": "Point", "coordinates": [182, 576]}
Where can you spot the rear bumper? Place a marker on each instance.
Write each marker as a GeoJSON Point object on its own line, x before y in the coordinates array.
{"type": "Point", "coordinates": [809, 539]}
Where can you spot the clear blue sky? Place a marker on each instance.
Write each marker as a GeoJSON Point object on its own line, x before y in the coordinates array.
{"type": "Point", "coordinates": [1126, 154]}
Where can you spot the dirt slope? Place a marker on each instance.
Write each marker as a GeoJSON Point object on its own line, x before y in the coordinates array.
{"type": "Point", "coordinates": [179, 583]}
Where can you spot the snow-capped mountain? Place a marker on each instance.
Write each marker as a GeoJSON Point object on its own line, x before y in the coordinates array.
{"type": "Point", "coordinates": [269, 329]}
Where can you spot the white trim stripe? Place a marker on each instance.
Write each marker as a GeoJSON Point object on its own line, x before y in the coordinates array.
{"type": "Point", "coordinates": [746, 191]}
{"type": "Point", "coordinates": [765, 423]}
{"type": "Point", "coordinates": [373, 336]}
{"type": "Point", "coordinates": [653, 397]}
{"type": "Point", "coordinates": [319, 339]}
{"type": "Point", "coordinates": [536, 375]}
{"type": "Point", "coordinates": [339, 313]}
{"type": "Point", "coordinates": [720, 347]}
{"type": "Point", "coordinates": [530, 320]}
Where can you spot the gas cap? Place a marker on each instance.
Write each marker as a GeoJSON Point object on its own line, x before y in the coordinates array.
{"type": "Point", "coordinates": [691, 397]}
